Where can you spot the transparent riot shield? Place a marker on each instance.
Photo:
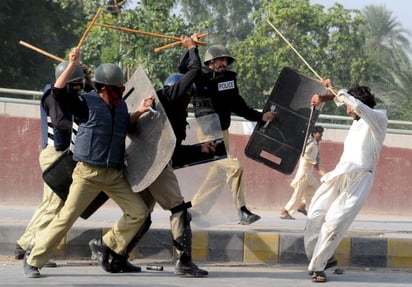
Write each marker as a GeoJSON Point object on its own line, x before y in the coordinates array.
{"type": "Point", "coordinates": [150, 145]}
{"type": "Point", "coordinates": [202, 130]}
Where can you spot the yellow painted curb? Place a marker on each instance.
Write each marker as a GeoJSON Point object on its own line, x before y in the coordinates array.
{"type": "Point", "coordinates": [261, 248]}
{"type": "Point", "coordinates": [399, 253]}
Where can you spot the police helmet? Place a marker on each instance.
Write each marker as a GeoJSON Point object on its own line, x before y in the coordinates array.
{"type": "Point", "coordinates": [173, 79]}
{"type": "Point", "coordinates": [77, 74]}
{"type": "Point", "coordinates": [218, 51]}
{"type": "Point", "coordinates": [108, 74]}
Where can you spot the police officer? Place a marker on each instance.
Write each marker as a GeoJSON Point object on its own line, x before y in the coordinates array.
{"type": "Point", "coordinates": [99, 153]}
{"type": "Point", "coordinates": [56, 125]}
{"type": "Point", "coordinates": [165, 190]}
{"type": "Point", "coordinates": [217, 92]}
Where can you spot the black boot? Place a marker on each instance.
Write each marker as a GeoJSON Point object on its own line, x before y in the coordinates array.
{"type": "Point", "coordinates": [182, 234]}
{"type": "Point", "coordinates": [30, 271]}
{"type": "Point", "coordinates": [19, 252]}
{"type": "Point", "coordinates": [101, 252]}
{"type": "Point", "coordinates": [189, 267]}
{"type": "Point", "coordinates": [246, 216]}
{"type": "Point", "coordinates": [120, 264]}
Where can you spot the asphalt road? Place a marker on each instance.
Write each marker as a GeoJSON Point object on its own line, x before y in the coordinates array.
{"type": "Point", "coordinates": [86, 273]}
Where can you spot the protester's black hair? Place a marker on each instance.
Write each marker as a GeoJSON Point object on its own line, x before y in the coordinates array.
{"type": "Point", "coordinates": [363, 94]}
{"type": "Point", "coordinates": [317, 129]}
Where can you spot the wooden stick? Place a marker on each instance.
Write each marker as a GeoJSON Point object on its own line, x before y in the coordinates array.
{"type": "Point", "coordinates": [41, 51]}
{"type": "Point", "coordinates": [314, 72]}
{"type": "Point", "coordinates": [170, 45]}
{"type": "Point", "coordinates": [297, 53]}
{"type": "Point", "coordinates": [88, 28]}
{"type": "Point", "coordinates": [138, 32]}
{"type": "Point", "coordinates": [145, 33]}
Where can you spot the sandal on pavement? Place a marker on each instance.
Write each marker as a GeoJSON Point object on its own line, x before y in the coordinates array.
{"type": "Point", "coordinates": [319, 277]}
{"type": "Point", "coordinates": [287, 216]}
{"type": "Point", "coordinates": [332, 262]}
{"type": "Point", "coordinates": [303, 211]}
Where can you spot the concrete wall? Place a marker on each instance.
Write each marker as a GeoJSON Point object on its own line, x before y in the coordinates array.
{"type": "Point", "coordinates": [20, 176]}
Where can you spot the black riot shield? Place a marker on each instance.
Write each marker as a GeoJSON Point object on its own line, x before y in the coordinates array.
{"type": "Point", "coordinates": [58, 176]}
{"type": "Point", "coordinates": [279, 144]}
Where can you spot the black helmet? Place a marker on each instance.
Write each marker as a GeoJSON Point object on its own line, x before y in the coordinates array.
{"type": "Point", "coordinates": [77, 74]}
{"type": "Point", "coordinates": [173, 79]}
{"type": "Point", "coordinates": [218, 51]}
{"type": "Point", "coordinates": [108, 74]}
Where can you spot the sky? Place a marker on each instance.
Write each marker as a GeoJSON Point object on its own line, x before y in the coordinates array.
{"type": "Point", "coordinates": [401, 9]}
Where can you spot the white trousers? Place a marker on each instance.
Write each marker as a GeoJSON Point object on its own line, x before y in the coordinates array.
{"type": "Point", "coordinates": [333, 208]}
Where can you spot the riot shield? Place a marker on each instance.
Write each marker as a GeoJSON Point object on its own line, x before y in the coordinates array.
{"type": "Point", "coordinates": [58, 176]}
{"type": "Point", "coordinates": [201, 130]}
{"type": "Point", "coordinates": [150, 145]}
{"type": "Point", "coordinates": [279, 144]}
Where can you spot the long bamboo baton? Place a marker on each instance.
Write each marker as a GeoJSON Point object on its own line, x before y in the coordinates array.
{"type": "Point", "coordinates": [88, 28]}
{"type": "Point", "coordinates": [123, 29]}
{"type": "Point", "coordinates": [170, 45]}
{"type": "Point", "coordinates": [137, 31]}
{"type": "Point", "coordinates": [41, 51]}
{"type": "Point", "coordinates": [313, 71]}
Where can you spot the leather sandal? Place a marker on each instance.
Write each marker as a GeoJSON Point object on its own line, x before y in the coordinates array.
{"type": "Point", "coordinates": [319, 277]}
{"type": "Point", "coordinates": [287, 216]}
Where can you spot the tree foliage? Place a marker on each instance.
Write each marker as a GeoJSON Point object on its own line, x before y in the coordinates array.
{"type": "Point", "coordinates": [46, 26]}
{"type": "Point", "coordinates": [227, 21]}
{"type": "Point", "coordinates": [387, 46]}
{"type": "Point", "coordinates": [351, 47]}
{"type": "Point", "coordinates": [331, 45]}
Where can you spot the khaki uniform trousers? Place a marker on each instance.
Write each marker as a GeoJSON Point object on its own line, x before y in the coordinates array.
{"type": "Point", "coordinates": [221, 172]}
{"type": "Point", "coordinates": [48, 208]}
{"type": "Point", "coordinates": [166, 192]}
{"type": "Point", "coordinates": [88, 181]}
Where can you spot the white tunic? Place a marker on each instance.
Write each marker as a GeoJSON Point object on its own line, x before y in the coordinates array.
{"type": "Point", "coordinates": [364, 141]}
{"type": "Point", "coordinates": [344, 190]}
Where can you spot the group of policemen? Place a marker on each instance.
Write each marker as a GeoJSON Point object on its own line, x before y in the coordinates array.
{"type": "Point", "coordinates": [96, 104]}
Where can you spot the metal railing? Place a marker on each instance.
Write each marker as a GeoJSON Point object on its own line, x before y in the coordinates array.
{"type": "Point", "coordinates": [328, 121]}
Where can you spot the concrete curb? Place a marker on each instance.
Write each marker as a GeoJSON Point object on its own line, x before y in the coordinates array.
{"type": "Point", "coordinates": [235, 246]}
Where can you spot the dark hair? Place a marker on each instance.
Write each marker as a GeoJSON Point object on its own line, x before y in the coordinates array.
{"type": "Point", "coordinates": [363, 94]}
{"type": "Point", "coordinates": [317, 129]}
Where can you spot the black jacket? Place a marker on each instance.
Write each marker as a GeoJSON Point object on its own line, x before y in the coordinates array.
{"type": "Point", "coordinates": [223, 92]}
{"type": "Point", "coordinates": [175, 100]}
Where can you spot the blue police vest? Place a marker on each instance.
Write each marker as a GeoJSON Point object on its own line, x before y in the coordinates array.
{"type": "Point", "coordinates": [100, 141]}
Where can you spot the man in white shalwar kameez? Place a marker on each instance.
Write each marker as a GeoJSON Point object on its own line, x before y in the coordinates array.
{"type": "Point", "coordinates": [305, 182]}
{"type": "Point", "coordinates": [344, 190]}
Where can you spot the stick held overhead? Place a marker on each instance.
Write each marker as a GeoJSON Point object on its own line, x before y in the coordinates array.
{"type": "Point", "coordinates": [88, 28]}
{"type": "Point", "coordinates": [41, 51]}
{"type": "Point", "coordinates": [294, 50]}
{"type": "Point", "coordinates": [170, 45]}
{"type": "Point", "coordinates": [138, 31]}
{"type": "Point", "coordinates": [299, 55]}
